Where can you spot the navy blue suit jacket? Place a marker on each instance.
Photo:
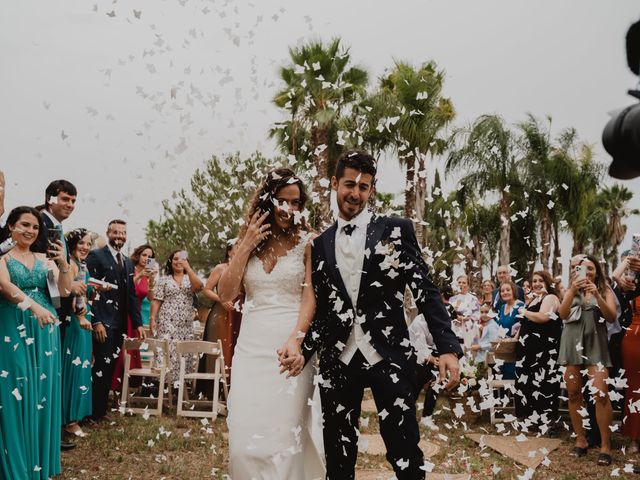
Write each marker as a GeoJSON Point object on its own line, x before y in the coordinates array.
{"type": "Point", "coordinates": [111, 307]}
{"type": "Point", "coordinates": [392, 261]}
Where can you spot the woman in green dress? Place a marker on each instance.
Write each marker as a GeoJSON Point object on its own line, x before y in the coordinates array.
{"type": "Point", "coordinates": [30, 371]}
{"type": "Point", "coordinates": [76, 349]}
{"type": "Point", "coordinates": [586, 305]}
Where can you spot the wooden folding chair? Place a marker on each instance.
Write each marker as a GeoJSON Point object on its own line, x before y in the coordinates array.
{"type": "Point", "coordinates": [156, 369]}
{"type": "Point", "coordinates": [198, 347]}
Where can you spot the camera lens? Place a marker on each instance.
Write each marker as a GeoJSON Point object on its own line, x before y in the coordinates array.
{"type": "Point", "coordinates": [621, 139]}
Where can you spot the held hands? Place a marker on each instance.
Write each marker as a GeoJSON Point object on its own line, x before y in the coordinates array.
{"type": "Point", "coordinates": [290, 357]}
{"type": "Point", "coordinates": [256, 232]}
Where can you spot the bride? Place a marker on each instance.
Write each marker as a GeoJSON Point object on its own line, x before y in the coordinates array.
{"type": "Point", "coordinates": [269, 414]}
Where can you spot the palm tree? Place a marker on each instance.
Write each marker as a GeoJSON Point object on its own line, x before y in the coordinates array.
{"type": "Point", "coordinates": [542, 178]}
{"type": "Point", "coordinates": [582, 176]}
{"type": "Point", "coordinates": [319, 86]}
{"type": "Point", "coordinates": [487, 153]}
{"type": "Point", "coordinates": [416, 114]}
{"type": "Point", "coordinates": [613, 201]}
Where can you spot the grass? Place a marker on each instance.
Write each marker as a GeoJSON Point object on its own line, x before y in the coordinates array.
{"type": "Point", "coordinates": [179, 448]}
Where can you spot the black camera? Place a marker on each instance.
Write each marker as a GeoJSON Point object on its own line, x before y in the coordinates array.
{"type": "Point", "coordinates": [621, 136]}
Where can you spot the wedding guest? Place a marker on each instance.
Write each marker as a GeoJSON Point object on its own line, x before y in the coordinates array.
{"type": "Point", "coordinates": [220, 325]}
{"type": "Point", "coordinates": [507, 318]}
{"type": "Point", "coordinates": [504, 276]}
{"type": "Point", "coordinates": [111, 309]}
{"type": "Point", "coordinates": [537, 376]}
{"type": "Point", "coordinates": [144, 278]}
{"type": "Point", "coordinates": [628, 291]}
{"type": "Point", "coordinates": [30, 397]}
{"type": "Point", "coordinates": [489, 332]}
{"type": "Point", "coordinates": [467, 310]}
{"type": "Point", "coordinates": [171, 315]}
{"type": "Point", "coordinates": [487, 292]}
{"type": "Point", "coordinates": [76, 348]}
{"type": "Point", "coordinates": [583, 345]}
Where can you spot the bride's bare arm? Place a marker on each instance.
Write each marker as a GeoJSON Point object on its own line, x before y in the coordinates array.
{"type": "Point", "coordinates": [231, 279]}
{"type": "Point", "coordinates": [292, 347]}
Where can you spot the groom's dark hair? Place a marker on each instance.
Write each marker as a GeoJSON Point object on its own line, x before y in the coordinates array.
{"type": "Point", "coordinates": [358, 160]}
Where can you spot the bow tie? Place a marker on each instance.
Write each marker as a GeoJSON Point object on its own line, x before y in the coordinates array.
{"type": "Point", "coordinates": [348, 229]}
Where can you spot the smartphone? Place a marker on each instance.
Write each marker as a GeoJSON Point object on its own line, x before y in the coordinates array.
{"type": "Point", "coordinates": [183, 255]}
{"type": "Point", "coordinates": [53, 236]}
{"type": "Point", "coordinates": [152, 264]}
{"type": "Point", "coordinates": [581, 272]}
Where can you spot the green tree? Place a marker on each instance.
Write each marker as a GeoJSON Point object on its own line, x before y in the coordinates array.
{"type": "Point", "coordinates": [612, 204]}
{"type": "Point", "coordinates": [205, 218]}
{"type": "Point", "coordinates": [320, 86]}
{"type": "Point", "coordinates": [487, 153]}
{"type": "Point", "coordinates": [416, 114]}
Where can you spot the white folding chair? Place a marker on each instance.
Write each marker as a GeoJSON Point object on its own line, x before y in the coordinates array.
{"type": "Point", "coordinates": [156, 369]}
{"type": "Point", "coordinates": [184, 350]}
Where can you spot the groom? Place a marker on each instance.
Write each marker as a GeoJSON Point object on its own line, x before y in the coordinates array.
{"type": "Point", "coordinates": [361, 265]}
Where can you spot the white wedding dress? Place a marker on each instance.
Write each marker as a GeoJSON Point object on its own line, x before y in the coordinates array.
{"type": "Point", "coordinates": [270, 416]}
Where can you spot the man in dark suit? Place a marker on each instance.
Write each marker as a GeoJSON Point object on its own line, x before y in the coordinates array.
{"type": "Point", "coordinates": [361, 266]}
{"type": "Point", "coordinates": [59, 203]}
{"type": "Point", "coordinates": [110, 310]}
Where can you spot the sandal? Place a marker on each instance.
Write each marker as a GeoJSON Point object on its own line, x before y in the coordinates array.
{"type": "Point", "coordinates": [604, 459]}
{"type": "Point", "coordinates": [578, 452]}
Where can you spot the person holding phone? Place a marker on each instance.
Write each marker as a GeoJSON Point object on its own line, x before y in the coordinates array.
{"type": "Point", "coordinates": [144, 279]}
{"type": "Point", "coordinates": [583, 345]}
{"type": "Point", "coordinates": [171, 314]}
{"type": "Point", "coordinates": [30, 390]}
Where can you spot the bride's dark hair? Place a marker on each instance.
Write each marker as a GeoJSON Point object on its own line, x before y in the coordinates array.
{"type": "Point", "coordinates": [264, 197]}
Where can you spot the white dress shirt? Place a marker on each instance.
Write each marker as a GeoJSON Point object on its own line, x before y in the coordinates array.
{"type": "Point", "coordinates": [115, 253]}
{"type": "Point", "coordinates": [350, 259]}
{"type": "Point", "coordinates": [53, 219]}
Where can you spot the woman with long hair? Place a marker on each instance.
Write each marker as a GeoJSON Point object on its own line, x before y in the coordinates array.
{"type": "Point", "coordinates": [30, 417]}
{"type": "Point", "coordinates": [144, 279]}
{"type": "Point", "coordinates": [536, 356]}
{"type": "Point", "coordinates": [583, 345]}
{"type": "Point", "coordinates": [223, 323]}
{"type": "Point", "coordinates": [77, 345]}
{"type": "Point", "coordinates": [270, 432]}
{"type": "Point", "coordinates": [507, 318]}
{"type": "Point", "coordinates": [172, 315]}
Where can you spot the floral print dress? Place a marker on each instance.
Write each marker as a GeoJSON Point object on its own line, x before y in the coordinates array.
{"type": "Point", "coordinates": [175, 319]}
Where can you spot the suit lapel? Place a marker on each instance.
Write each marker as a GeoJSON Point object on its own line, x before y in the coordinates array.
{"type": "Point", "coordinates": [111, 261]}
{"type": "Point", "coordinates": [375, 229]}
{"type": "Point", "coordinates": [329, 244]}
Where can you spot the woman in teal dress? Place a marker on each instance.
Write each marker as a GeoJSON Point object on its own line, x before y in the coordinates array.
{"type": "Point", "coordinates": [76, 349]}
{"type": "Point", "coordinates": [30, 389]}
{"type": "Point", "coordinates": [586, 305]}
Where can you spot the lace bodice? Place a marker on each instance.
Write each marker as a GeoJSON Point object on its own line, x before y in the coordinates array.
{"type": "Point", "coordinates": [32, 282]}
{"type": "Point", "coordinates": [283, 285]}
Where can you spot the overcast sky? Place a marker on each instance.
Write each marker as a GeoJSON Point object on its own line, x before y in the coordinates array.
{"type": "Point", "coordinates": [87, 86]}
